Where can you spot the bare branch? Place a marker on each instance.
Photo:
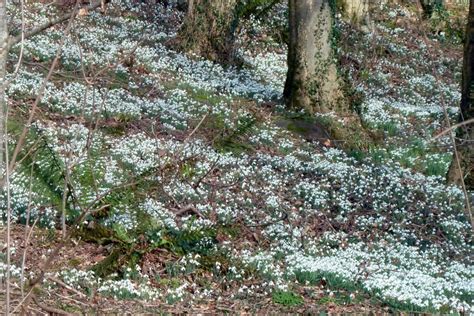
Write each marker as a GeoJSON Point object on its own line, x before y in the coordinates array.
{"type": "Point", "coordinates": [51, 310]}
{"type": "Point", "coordinates": [67, 287]}
{"type": "Point", "coordinates": [17, 39]}
{"type": "Point", "coordinates": [188, 209]}
{"type": "Point", "coordinates": [453, 127]}
{"type": "Point", "coordinates": [26, 128]}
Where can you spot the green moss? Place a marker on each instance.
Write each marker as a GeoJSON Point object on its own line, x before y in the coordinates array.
{"type": "Point", "coordinates": [122, 77]}
{"type": "Point", "coordinates": [96, 233]}
{"type": "Point", "coordinates": [169, 282]}
{"type": "Point", "coordinates": [232, 146]}
{"type": "Point", "coordinates": [111, 264]}
{"type": "Point", "coordinates": [117, 130]}
{"type": "Point", "coordinates": [73, 309]}
{"type": "Point", "coordinates": [74, 262]}
{"type": "Point", "coordinates": [351, 135]}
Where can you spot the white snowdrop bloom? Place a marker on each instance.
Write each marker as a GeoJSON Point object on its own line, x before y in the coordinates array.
{"type": "Point", "coordinates": [160, 213]}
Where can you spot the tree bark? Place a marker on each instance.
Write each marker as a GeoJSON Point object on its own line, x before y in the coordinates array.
{"type": "Point", "coordinates": [209, 30]}
{"type": "Point", "coordinates": [4, 47]}
{"type": "Point", "coordinates": [190, 8]}
{"type": "Point", "coordinates": [465, 134]}
{"type": "Point", "coordinates": [356, 10]}
{"type": "Point", "coordinates": [429, 6]}
{"type": "Point", "coordinates": [312, 81]}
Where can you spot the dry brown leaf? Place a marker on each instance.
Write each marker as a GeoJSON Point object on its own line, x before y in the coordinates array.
{"type": "Point", "coordinates": [83, 12]}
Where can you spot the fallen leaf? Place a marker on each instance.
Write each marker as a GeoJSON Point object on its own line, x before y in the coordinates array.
{"type": "Point", "coordinates": [83, 12]}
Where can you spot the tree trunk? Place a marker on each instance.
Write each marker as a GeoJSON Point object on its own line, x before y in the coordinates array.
{"type": "Point", "coordinates": [312, 81]}
{"type": "Point", "coordinates": [356, 10]}
{"type": "Point", "coordinates": [3, 62]}
{"type": "Point", "coordinates": [209, 30]}
{"type": "Point", "coordinates": [465, 134]}
{"type": "Point", "coordinates": [190, 8]}
{"type": "Point", "coordinates": [429, 6]}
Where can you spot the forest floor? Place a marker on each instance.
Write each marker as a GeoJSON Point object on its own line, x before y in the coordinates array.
{"type": "Point", "coordinates": [204, 194]}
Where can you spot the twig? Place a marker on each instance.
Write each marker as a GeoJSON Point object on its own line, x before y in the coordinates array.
{"type": "Point", "coordinates": [23, 259]}
{"type": "Point", "coordinates": [457, 158]}
{"type": "Point", "coordinates": [73, 300]}
{"type": "Point", "coordinates": [453, 127]}
{"type": "Point", "coordinates": [67, 287]}
{"type": "Point", "coordinates": [195, 129]}
{"type": "Point", "coordinates": [42, 269]}
{"type": "Point", "coordinates": [213, 166]}
{"type": "Point", "coordinates": [27, 296]}
{"type": "Point", "coordinates": [15, 40]}
{"type": "Point", "coordinates": [64, 197]}
{"type": "Point", "coordinates": [22, 41]}
{"type": "Point", "coordinates": [52, 310]}
{"type": "Point", "coordinates": [27, 233]}
{"type": "Point", "coordinates": [103, 207]}
{"type": "Point", "coordinates": [9, 215]}
{"type": "Point", "coordinates": [188, 209]}
{"type": "Point", "coordinates": [24, 132]}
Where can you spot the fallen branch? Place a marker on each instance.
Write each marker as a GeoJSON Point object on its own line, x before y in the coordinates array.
{"type": "Point", "coordinates": [453, 127]}
{"type": "Point", "coordinates": [188, 209]}
{"type": "Point", "coordinates": [51, 310]}
{"type": "Point", "coordinates": [67, 287]}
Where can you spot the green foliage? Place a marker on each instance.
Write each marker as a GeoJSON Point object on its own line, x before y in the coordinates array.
{"type": "Point", "coordinates": [232, 142]}
{"type": "Point", "coordinates": [437, 167]}
{"type": "Point", "coordinates": [46, 170]}
{"type": "Point", "coordinates": [378, 155]}
{"type": "Point", "coordinates": [193, 241]}
{"type": "Point", "coordinates": [121, 233]}
{"type": "Point", "coordinates": [287, 298]}
{"type": "Point", "coordinates": [246, 8]}
{"type": "Point", "coordinates": [96, 233]}
{"type": "Point", "coordinates": [115, 130]}
{"type": "Point", "coordinates": [357, 154]}
{"type": "Point", "coordinates": [203, 95]}
{"type": "Point", "coordinates": [121, 79]}
{"type": "Point", "coordinates": [391, 128]}
{"type": "Point", "coordinates": [122, 117]}
{"type": "Point", "coordinates": [111, 264]}
{"type": "Point", "coordinates": [188, 170]}
{"type": "Point", "coordinates": [332, 280]}
{"type": "Point", "coordinates": [450, 22]}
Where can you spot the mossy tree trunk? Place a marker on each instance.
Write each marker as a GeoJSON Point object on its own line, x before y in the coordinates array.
{"type": "Point", "coordinates": [312, 81]}
{"type": "Point", "coordinates": [465, 134]}
{"type": "Point", "coordinates": [429, 7]}
{"type": "Point", "coordinates": [209, 30]}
